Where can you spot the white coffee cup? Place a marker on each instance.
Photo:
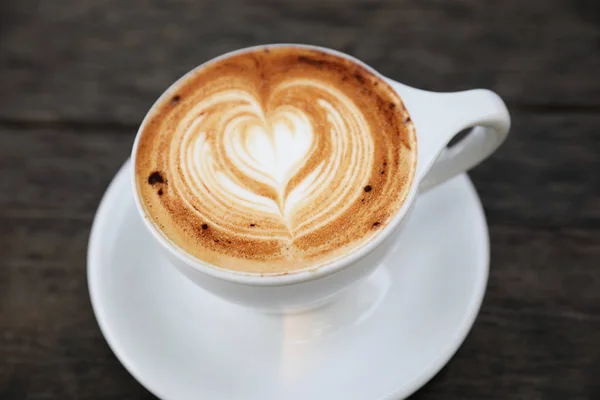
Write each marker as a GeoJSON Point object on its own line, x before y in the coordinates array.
{"type": "Point", "coordinates": [437, 117]}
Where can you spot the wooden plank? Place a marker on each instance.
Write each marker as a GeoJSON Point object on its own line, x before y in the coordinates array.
{"type": "Point", "coordinates": [553, 272]}
{"type": "Point", "coordinates": [511, 354]}
{"type": "Point", "coordinates": [74, 60]}
{"type": "Point", "coordinates": [550, 272]}
{"type": "Point", "coordinates": [77, 77]}
{"type": "Point", "coordinates": [542, 176]}
{"type": "Point", "coordinates": [536, 336]}
{"type": "Point", "coordinates": [50, 344]}
{"type": "Point", "coordinates": [58, 173]}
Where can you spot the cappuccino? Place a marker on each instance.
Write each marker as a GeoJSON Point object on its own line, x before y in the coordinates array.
{"type": "Point", "coordinates": [275, 159]}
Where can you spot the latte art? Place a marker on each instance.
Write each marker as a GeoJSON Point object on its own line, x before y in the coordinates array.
{"type": "Point", "coordinates": [275, 160]}
{"type": "Point", "coordinates": [249, 164]}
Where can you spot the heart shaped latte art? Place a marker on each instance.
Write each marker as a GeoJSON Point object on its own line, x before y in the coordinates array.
{"type": "Point", "coordinates": [275, 159]}
{"type": "Point", "coordinates": [285, 165]}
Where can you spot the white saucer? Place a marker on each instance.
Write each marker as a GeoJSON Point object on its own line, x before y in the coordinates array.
{"type": "Point", "coordinates": [382, 340]}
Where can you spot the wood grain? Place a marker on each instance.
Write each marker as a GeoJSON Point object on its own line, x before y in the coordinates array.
{"type": "Point", "coordinates": [535, 338]}
{"type": "Point", "coordinates": [78, 76]}
{"type": "Point", "coordinates": [541, 176]}
{"type": "Point", "coordinates": [536, 335]}
{"type": "Point", "coordinates": [50, 344]}
{"type": "Point", "coordinates": [103, 61]}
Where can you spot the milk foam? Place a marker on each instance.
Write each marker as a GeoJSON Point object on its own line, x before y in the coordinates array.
{"type": "Point", "coordinates": [275, 160]}
{"type": "Point", "coordinates": [217, 157]}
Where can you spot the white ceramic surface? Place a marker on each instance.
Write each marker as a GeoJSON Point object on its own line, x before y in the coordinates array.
{"type": "Point", "coordinates": [382, 339]}
{"type": "Point", "coordinates": [437, 117]}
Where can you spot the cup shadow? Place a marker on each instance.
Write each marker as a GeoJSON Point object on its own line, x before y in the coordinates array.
{"type": "Point", "coordinates": [352, 307]}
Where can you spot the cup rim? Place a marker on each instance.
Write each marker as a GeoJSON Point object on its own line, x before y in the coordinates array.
{"type": "Point", "coordinates": [281, 278]}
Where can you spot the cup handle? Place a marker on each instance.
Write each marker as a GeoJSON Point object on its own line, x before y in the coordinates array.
{"type": "Point", "coordinates": [438, 117]}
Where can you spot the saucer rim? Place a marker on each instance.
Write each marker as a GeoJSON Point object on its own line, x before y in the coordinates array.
{"type": "Point", "coordinates": [400, 392]}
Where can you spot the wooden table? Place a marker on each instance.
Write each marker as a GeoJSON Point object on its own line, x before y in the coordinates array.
{"type": "Point", "coordinates": [76, 78]}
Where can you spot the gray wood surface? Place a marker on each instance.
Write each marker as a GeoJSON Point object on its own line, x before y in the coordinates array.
{"type": "Point", "coordinates": [76, 77]}
{"type": "Point", "coordinates": [107, 61]}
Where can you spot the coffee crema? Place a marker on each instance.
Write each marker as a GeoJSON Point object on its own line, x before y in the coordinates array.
{"type": "Point", "coordinates": [275, 160]}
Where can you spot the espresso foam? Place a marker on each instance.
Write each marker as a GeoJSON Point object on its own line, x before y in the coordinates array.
{"type": "Point", "coordinates": [275, 160]}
